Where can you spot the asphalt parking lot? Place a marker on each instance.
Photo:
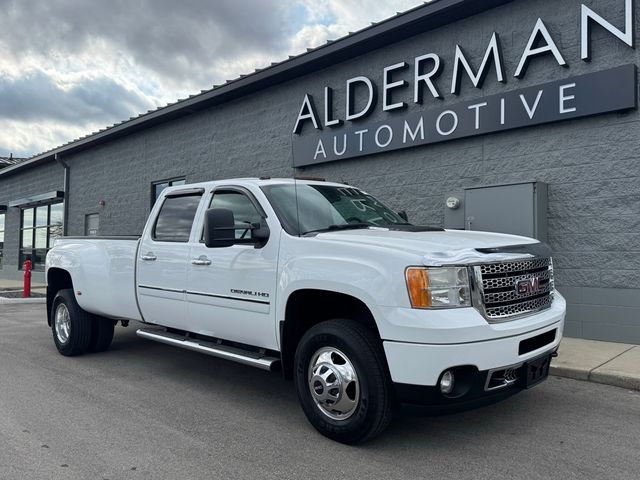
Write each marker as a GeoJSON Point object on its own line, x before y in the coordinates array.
{"type": "Point", "coordinates": [148, 411]}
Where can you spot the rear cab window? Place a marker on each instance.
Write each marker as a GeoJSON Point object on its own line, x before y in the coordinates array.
{"type": "Point", "coordinates": [175, 219]}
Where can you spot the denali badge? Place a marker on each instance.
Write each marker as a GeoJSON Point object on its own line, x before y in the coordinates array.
{"type": "Point", "coordinates": [529, 286]}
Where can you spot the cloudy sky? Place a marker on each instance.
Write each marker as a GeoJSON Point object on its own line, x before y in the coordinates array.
{"type": "Point", "coordinates": [70, 67]}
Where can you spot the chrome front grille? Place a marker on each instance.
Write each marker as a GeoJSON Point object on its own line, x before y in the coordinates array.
{"type": "Point", "coordinates": [519, 308]}
{"type": "Point", "coordinates": [508, 267]}
{"type": "Point", "coordinates": [512, 289]}
{"type": "Point", "coordinates": [512, 280]}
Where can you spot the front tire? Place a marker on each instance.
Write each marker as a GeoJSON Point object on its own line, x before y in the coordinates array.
{"type": "Point", "coordinates": [342, 381]}
{"type": "Point", "coordinates": [71, 326]}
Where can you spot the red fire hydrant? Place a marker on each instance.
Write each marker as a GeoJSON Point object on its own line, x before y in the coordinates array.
{"type": "Point", "coordinates": [26, 291]}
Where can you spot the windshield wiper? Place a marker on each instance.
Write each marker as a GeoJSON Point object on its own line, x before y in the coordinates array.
{"type": "Point", "coordinates": [342, 226]}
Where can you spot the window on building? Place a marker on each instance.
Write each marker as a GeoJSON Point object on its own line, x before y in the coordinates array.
{"type": "Point", "coordinates": [1, 237]}
{"type": "Point", "coordinates": [158, 187]}
{"type": "Point", "coordinates": [40, 227]}
{"type": "Point", "coordinates": [176, 218]}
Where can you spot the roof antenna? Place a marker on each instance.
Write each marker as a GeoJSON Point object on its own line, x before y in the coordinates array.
{"type": "Point", "coordinates": [295, 188]}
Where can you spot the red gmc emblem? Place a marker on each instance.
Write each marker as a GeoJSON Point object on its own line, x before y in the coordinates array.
{"type": "Point", "coordinates": [528, 286]}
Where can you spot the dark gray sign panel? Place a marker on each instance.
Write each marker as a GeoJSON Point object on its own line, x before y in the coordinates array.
{"type": "Point", "coordinates": [581, 96]}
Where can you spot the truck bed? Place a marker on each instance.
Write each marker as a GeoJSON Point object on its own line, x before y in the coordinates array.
{"type": "Point", "coordinates": [103, 269]}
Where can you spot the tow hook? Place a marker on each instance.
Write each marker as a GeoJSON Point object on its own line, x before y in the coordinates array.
{"type": "Point", "coordinates": [554, 354]}
{"type": "Point", "coordinates": [125, 323]}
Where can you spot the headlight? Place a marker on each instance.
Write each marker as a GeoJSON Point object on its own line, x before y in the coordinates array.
{"type": "Point", "coordinates": [440, 287]}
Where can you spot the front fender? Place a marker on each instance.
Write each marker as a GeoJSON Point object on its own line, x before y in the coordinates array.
{"type": "Point", "coordinates": [368, 282]}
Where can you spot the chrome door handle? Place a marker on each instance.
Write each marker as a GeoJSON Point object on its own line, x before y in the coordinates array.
{"type": "Point", "coordinates": [149, 257]}
{"type": "Point", "coordinates": [202, 260]}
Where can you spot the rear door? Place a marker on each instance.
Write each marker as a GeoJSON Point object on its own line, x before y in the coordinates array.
{"type": "Point", "coordinates": [163, 258]}
{"type": "Point", "coordinates": [231, 290]}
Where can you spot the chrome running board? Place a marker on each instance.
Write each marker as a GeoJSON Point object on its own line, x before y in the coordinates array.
{"type": "Point", "coordinates": [246, 357]}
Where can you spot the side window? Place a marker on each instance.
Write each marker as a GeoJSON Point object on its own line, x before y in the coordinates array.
{"type": "Point", "coordinates": [244, 212]}
{"type": "Point", "coordinates": [176, 218]}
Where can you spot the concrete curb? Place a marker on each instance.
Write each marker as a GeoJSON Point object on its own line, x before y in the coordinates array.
{"type": "Point", "coordinates": [630, 382]}
{"type": "Point", "coordinates": [574, 373]}
{"type": "Point", "coordinates": [613, 364]}
{"type": "Point", "coordinates": [13, 301]}
{"type": "Point", "coordinates": [617, 380]}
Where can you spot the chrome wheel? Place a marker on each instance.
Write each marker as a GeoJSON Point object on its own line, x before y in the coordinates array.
{"type": "Point", "coordinates": [333, 383]}
{"type": "Point", "coordinates": [62, 323]}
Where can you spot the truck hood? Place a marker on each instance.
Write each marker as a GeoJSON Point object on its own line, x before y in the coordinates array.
{"type": "Point", "coordinates": [435, 247]}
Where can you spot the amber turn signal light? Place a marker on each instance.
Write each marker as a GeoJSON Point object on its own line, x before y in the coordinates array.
{"type": "Point", "coordinates": [418, 286]}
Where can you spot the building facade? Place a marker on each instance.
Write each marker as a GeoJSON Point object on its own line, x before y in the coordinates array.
{"type": "Point", "coordinates": [420, 110]}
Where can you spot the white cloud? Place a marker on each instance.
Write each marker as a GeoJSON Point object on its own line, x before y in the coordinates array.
{"type": "Point", "coordinates": [87, 65]}
{"type": "Point", "coordinates": [355, 14]}
{"type": "Point", "coordinates": [29, 138]}
{"type": "Point", "coordinates": [313, 36]}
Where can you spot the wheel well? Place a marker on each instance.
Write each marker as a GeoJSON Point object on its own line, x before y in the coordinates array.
{"type": "Point", "coordinates": [306, 308]}
{"type": "Point", "coordinates": [57, 279]}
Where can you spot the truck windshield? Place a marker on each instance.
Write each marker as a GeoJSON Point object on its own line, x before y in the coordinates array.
{"type": "Point", "coordinates": [325, 207]}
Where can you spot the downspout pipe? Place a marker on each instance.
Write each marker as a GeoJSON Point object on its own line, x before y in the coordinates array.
{"type": "Point", "coordinates": [66, 193]}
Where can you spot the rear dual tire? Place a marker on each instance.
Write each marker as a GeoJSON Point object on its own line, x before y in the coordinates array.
{"type": "Point", "coordinates": [101, 334]}
{"type": "Point", "coordinates": [76, 331]}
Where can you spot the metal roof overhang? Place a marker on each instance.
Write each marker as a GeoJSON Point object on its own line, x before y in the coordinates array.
{"type": "Point", "coordinates": [35, 200]}
{"type": "Point", "coordinates": [418, 20]}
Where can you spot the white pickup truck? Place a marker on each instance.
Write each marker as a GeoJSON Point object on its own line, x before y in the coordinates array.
{"type": "Point", "coordinates": [326, 284]}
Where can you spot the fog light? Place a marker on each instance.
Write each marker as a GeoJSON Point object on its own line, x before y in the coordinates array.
{"type": "Point", "coordinates": [446, 382]}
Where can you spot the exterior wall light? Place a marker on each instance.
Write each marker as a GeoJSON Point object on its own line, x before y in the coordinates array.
{"type": "Point", "coordinates": [453, 203]}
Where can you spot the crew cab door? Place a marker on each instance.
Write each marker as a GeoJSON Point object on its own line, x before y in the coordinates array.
{"type": "Point", "coordinates": [163, 258]}
{"type": "Point", "coordinates": [231, 290]}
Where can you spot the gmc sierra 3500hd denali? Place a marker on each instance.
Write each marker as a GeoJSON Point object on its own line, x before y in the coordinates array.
{"type": "Point", "coordinates": [323, 282]}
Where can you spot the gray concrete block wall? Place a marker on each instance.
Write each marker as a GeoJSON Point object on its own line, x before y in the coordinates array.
{"type": "Point", "coordinates": [591, 165]}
